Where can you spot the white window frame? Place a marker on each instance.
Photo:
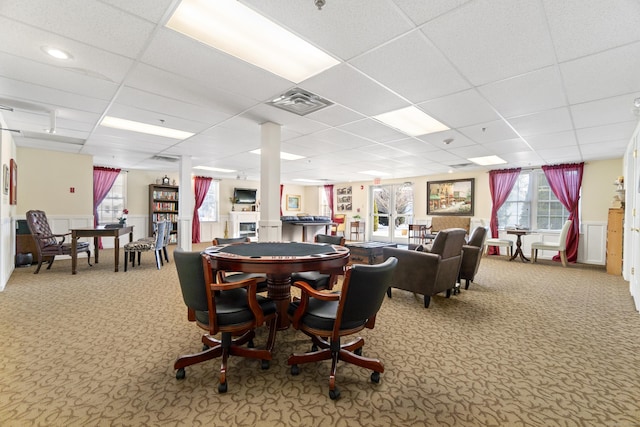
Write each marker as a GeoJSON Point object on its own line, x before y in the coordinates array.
{"type": "Point", "coordinates": [210, 209]}
{"type": "Point", "coordinates": [111, 207]}
{"type": "Point", "coordinates": [525, 195]}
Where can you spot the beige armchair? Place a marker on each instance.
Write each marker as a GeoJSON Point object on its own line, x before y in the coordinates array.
{"type": "Point", "coordinates": [560, 246]}
{"type": "Point", "coordinates": [432, 272]}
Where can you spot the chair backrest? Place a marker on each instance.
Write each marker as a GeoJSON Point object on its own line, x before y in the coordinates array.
{"type": "Point", "coordinates": [364, 290]}
{"type": "Point", "coordinates": [563, 235]}
{"type": "Point", "coordinates": [477, 237]}
{"type": "Point", "coordinates": [225, 241]}
{"type": "Point", "coordinates": [448, 243]}
{"type": "Point", "coordinates": [167, 233]}
{"type": "Point", "coordinates": [332, 240]}
{"type": "Point", "coordinates": [191, 278]}
{"type": "Point", "coordinates": [161, 228]}
{"type": "Point", "coordinates": [39, 226]}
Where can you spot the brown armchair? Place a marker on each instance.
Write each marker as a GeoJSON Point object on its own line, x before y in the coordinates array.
{"type": "Point", "coordinates": [47, 243]}
{"type": "Point", "coordinates": [327, 317]}
{"type": "Point", "coordinates": [431, 272]}
{"type": "Point", "coordinates": [230, 309]}
{"type": "Point", "coordinates": [471, 255]}
{"type": "Point", "coordinates": [317, 279]}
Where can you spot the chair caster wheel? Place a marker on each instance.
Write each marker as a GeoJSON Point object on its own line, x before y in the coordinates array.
{"type": "Point", "coordinates": [334, 394]}
{"type": "Point", "coordinates": [180, 374]}
{"type": "Point", "coordinates": [222, 387]}
{"type": "Point", "coordinates": [205, 347]}
{"type": "Point", "coordinates": [265, 364]}
{"type": "Point", "coordinates": [375, 377]}
{"type": "Point", "coordinates": [251, 344]}
{"type": "Point", "coordinates": [314, 347]}
{"type": "Point", "coordinates": [295, 369]}
{"type": "Point", "coordinates": [358, 351]}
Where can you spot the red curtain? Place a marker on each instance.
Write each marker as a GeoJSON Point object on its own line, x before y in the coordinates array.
{"type": "Point", "coordinates": [103, 179]}
{"type": "Point", "coordinates": [281, 189]}
{"type": "Point", "coordinates": [501, 183]}
{"type": "Point", "coordinates": [565, 182]}
{"type": "Point", "coordinates": [201, 187]}
{"type": "Point", "coordinates": [328, 192]}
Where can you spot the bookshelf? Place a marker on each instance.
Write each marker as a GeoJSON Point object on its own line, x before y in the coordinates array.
{"type": "Point", "coordinates": [163, 204]}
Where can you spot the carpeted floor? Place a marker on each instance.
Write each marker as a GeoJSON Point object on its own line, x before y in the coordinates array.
{"type": "Point", "coordinates": [526, 345]}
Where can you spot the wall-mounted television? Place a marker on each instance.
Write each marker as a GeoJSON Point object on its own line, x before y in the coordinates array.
{"type": "Point", "coordinates": [245, 196]}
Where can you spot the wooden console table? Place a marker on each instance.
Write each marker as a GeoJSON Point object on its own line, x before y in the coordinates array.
{"type": "Point", "coordinates": [97, 232]}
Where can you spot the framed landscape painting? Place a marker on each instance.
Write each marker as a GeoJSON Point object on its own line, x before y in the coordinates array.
{"type": "Point", "coordinates": [452, 197]}
{"type": "Point", "coordinates": [293, 203]}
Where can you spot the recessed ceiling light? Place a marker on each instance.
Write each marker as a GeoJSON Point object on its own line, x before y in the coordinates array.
{"type": "Point", "coordinates": [487, 160]}
{"type": "Point", "coordinates": [116, 123]}
{"type": "Point", "coordinates": [283, 155]}
{"type": "Point", "coordinates": [309, 180]}
{"type": "Point", "coordinates": [236, 29]}
{"type": "Point", "coordinates": [57, 53]}
{"type": "Point", "coordinates": [412, 121]}
{"type": "Point", "coordinates": [209, 168]}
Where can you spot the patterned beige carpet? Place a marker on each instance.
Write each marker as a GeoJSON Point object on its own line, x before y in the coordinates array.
{"type": "Point", "coordinates": [526, 345]}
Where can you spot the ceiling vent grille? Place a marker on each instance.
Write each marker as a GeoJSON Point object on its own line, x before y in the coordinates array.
{"type": "Point", "coordinates": [165, 159]}
{"type": "Point", "coordinates": [300, 102]}
{"type": "Point", "coordinates": [462, 165]}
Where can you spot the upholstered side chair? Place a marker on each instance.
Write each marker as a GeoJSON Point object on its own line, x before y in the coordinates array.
{"type": "Point", "coordinates": [326, 317]}
{"type": "Point", "coordinates": [560, 246]}
{"type": "Point", "coordinates": [49, 245]}
{"type": "Point", "coordinates": [229, 309]}
{"type": "Point", "coordinates": [471, 255]}
{"type": "Point", "coordinates": [146, 244]}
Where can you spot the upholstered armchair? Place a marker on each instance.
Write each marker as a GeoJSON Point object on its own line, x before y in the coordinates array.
{"type": "Point", "coordinates": [232, 310]}
{"type": "Point", "coordinates": [340, 224]}
{"type": "Point", "coordinates": [431, 272]}
{"type": "Point", "coordinates": [471, 255]}
{"type": "Point", "coordinates": [327, 317]}
{"type": "Point", "coordinates": [47, 243]}
{"type": "Point", "coordinates": [317, 279]}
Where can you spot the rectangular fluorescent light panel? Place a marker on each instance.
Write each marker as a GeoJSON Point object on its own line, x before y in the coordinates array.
{"type": "Point", "coordinates": [412, 121]}
{"type": "Point", "coordinates": [487, 160]}
{"type": "Point", "coordinates": [283, 155]}
{"type": "Point", "coordinates": [116, 123]}
{"type": "Point", "coordinates": [209, 168]}
{"type": "Point", "coordinates": [232, 27]}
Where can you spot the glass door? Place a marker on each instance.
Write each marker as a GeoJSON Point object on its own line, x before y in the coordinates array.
{"type": "Point", "coordinates": [391, 212]}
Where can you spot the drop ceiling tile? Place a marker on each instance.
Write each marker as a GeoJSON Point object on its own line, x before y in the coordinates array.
{"type": "Point", "coordinates": [482, 133]}
{"type": "Point", "coordinates": [346, 86]}
{"type": "Point", "coordinates": [412, 67]}
{"type": "Point", "coordinates": [616, 109]}
{"type": "Point", "coordinates": [344, 28]}
{"type": "Point", "coordinates": [603, 150]}
{"type": "Point", "coordinates": [552, 140]}
{"type": "Point", "coordinates": [550, 121]}
{"type": "Point", "coordinates": [493, 40]}
{"type": "Point", "coordinates": [584, 27]}
{"type": "Point", "coordinates": [419, 14]}
{"type": "Point", "coordinates": [528, 93]}
{"type": "Point", "coordinates": [373, 130]}
{"type": "Point", "coordinates": [335, 115]}
{"type": "Point", "coordinates": [610, 73]}
{"type": "Point", "coordinates": [514, 145]}
{"type": "Point", "coordinates": [465, 108]}
{"type": "Point", "coordinates": [617, 131]}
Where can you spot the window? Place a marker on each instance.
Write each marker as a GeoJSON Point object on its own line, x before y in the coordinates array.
{"type": "Point", "coordinates": [209, 211]}
{"type": "Point", "coordinates": [110, 210]}
{"type": "Point", "coordinates": [324, 203]}
{"type": "Point", "coordinates": [532, 204]}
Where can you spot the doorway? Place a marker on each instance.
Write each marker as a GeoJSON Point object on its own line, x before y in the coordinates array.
{"type": "Point", "coordinates": [391, 212]}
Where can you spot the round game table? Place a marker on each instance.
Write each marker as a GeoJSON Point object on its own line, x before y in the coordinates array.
{"type": "Point", "coordinates": [278, 260]}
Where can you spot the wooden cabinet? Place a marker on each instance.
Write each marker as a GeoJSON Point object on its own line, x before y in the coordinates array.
{"type": "Point", "coordinates": [163, 204]}
{"type": "Point", "coordinates": [614, 241]}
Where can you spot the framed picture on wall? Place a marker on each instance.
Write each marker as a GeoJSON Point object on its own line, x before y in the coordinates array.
{"type": "Point", "coordinates": [293, 203]}
{"type": "Point", "coordinates": [5, 179]}
{"type": "Point", "coordinates": [13, 182]}
{"type": "Point", "coordinates": [452, 197]}
{"type": "Point", "coordinates": [343, 199]}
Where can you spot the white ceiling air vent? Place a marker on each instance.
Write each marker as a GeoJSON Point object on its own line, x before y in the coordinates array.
{"type": "Point", "coordinates": [300, 102]}
{"type": "Point", "coordinates": [165, 158]}
{"type": "Point", "coordinates": [462, 165]}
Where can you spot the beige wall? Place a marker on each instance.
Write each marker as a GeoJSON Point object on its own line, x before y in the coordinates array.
{"type": "Point", "coordinates": [45, 179]}
{"type": "Point", "coordinates": [598, 188]}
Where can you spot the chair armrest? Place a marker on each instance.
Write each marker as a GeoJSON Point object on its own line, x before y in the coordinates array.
{"type": "Point", "coordinates": [306, 292]}
{"type": "Point", "coordinates": [251, 285]}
